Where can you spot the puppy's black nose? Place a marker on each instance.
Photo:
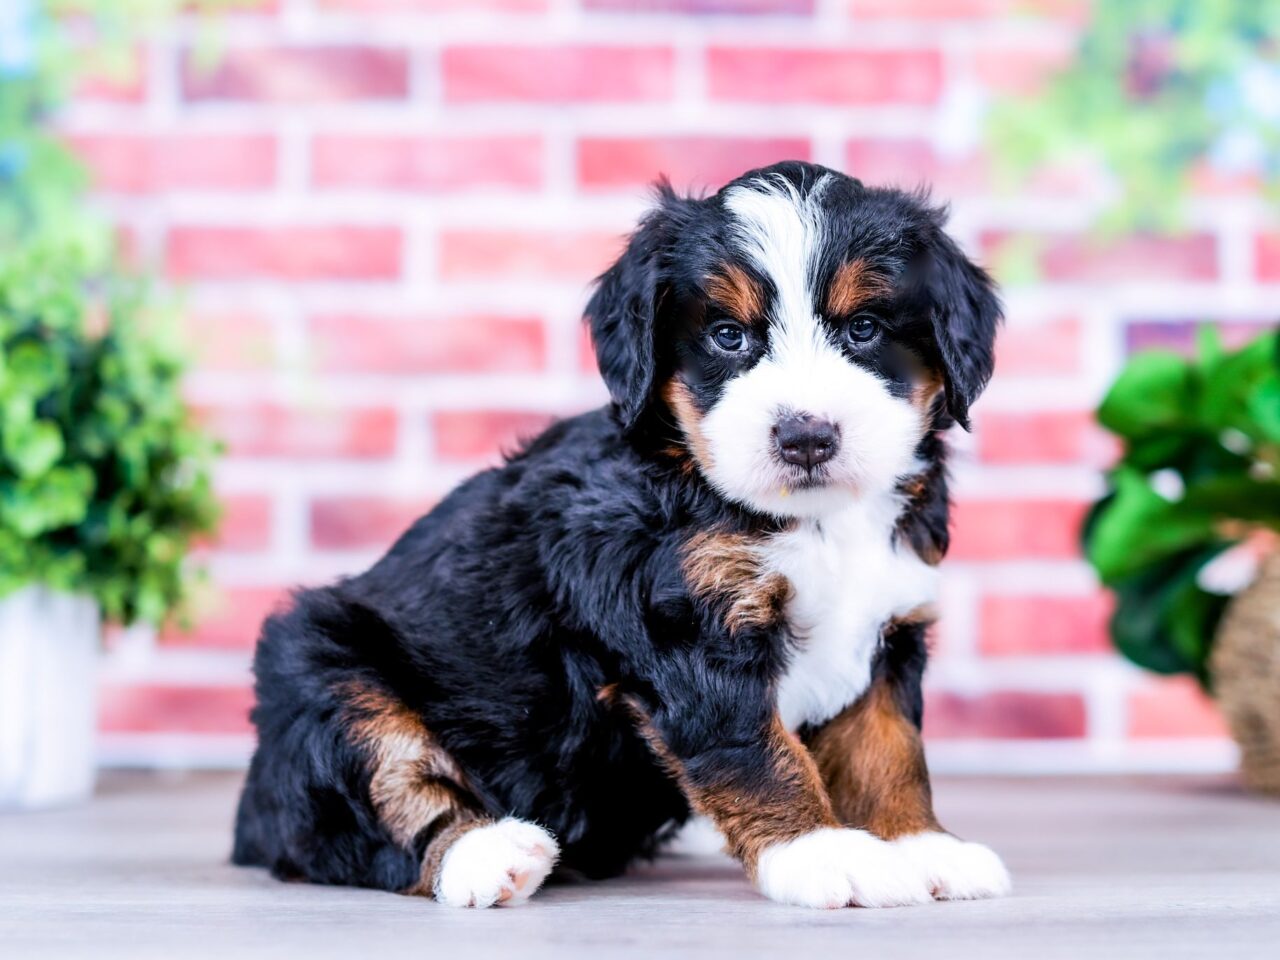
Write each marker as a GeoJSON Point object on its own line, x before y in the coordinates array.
{"type": "Point", "coordinates": [806, 440]}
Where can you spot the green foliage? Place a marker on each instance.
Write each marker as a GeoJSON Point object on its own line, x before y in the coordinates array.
{"type": "Point", "coordinates": [55, 44]}
{"type": "Point", "coordinates": [1159, 89]}
{"type": "Point", "coordinates": [104, 479]}
{"type": "Point", "coordinates": [1200, 472]}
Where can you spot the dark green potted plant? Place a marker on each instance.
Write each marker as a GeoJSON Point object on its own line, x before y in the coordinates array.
{"type": "Point", "coordinates": [1199, 479]}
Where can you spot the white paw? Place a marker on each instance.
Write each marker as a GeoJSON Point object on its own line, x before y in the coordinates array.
{"type": "Point", "coordinates": [502, 863]}
{"type": "Point", "coordinates": [954, 869]}
{"type": "Point", "coordinates": [836, 867]}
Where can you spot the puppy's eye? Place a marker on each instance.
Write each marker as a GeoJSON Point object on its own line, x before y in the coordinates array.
{"type": "Point", "coordinates": [862, 329]}
{"type": "Point", "coordinates": [729, 337]}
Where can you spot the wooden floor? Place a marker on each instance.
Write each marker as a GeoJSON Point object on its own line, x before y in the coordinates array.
{"type": "Point", "coordinates": [1103, 868]}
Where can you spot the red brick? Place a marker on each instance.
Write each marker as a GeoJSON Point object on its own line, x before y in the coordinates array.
{"type": "Point", "coordinates": [1004, 715]}
{"type": "Point", "coordinates": [910, 162]}
{"type": "Point", "coordinates": [1017, 529]}
{"type": "Point", "coordinates": [291, 253]}
{"type": "Point", "coordinates": [808, 75]}
{"type": "Point", "coordinates": [468, 344]}
{"type": "Point", "coordinates": [702, 6]}
{"type": "Point", "coordinates": [433, 6]}
{"type": "Point", "coordinates": [426, 163]}
{"type": "Point", "coordinates": [1072, 257]}
{"type": "Point", "coordinates": [1046, 436]}
{"type": "Point", "coordinates": [120, 163]}
{"type": "Point", "coordinates": [564, 73]}
{"type": "Point", "coordinates": [480, 434]}
{"type": "Point", "coordinates": [127, 85]}
{"type": "Point", "coordinates": [613, 162]}
{"type": "Point", "coordinates": [1174, 707]}
{"type": "Point", "coordinates": [1022, 71]}
{"type": "Point", "coordinates": [153, 708]}
{"type": "Point", "coordinates": [1208, 180]}
{"type": "Point", "coordinates": [1048, 348]}
{"type": "Point", "coordinates": [531, 254]}
{"type": "Point", "coordinates": [354, 523]}
{"type": "Point", "coordinates": [269, 430]}
{"type": "Point", "coordinates": [245, 523]}
{"type": "Point", "coordinates": [321, 74]}
{"type": "Point", "coordinates": [1267, 252]}
{"type": "Point", "coordinates": [1074, 10]}
{"type": "Point", "coordinates": [236, 7]}
{"type": "Point", "coordinates": [232, 619]}
{"type": "Point", "coordinates": [1037, 624]}
{"type": "Point", "coordinates": [229, 341]}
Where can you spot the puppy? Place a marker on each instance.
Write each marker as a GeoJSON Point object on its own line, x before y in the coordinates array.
{"type": "Point", "coordinates": [711, 595]}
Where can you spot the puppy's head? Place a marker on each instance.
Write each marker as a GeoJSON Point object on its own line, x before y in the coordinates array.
{"type": "Point", "coordinates": [804, 332]}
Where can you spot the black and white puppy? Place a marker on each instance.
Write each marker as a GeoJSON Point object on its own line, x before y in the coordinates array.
{"type": "Point", "coordinates": [711, 595]}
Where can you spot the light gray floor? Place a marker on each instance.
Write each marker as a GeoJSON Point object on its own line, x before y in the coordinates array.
{"type": "Point", "coordinates": [1103, 868]}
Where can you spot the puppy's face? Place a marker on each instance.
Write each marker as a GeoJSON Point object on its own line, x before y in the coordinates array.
{"type": "Point", "coordinates": [803, 331]}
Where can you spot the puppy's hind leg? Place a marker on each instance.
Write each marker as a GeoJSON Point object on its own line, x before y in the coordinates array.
{"type": "Point", "coordinates": [420, 796]}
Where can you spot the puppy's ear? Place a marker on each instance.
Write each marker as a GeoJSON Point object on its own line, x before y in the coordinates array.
{"type": "Point", "coordinates": [964, 312]}
{"type": "Point", "coordinates": [623, 311]}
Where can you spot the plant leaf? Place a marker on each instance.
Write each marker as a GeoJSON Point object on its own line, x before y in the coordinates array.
{"type": "Point", "coordinates": [1264, 408]}
{"type": "Point", "coordinates": [33, 447]}
{"type": "Point", "coordinates": [1138, 527]}
{"type": "Point", "coordinates": [1163, 621]}
{"type": "Point", "coordinates": [1154, 393]}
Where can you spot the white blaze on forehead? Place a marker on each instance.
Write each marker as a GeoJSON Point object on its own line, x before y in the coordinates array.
{"type": "Point", "coordinates": [782, 232]}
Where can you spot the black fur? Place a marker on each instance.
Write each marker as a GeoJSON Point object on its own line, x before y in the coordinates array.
{"type": "Point", "coordinates": [500, 616]}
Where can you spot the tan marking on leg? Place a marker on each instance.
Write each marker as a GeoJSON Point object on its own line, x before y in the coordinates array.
{"type": "Point", "coordinates": [735, 291]}
{"type": "Point", "coordinates": [439, 846]}
{"type": "Point", "coordinates": [414, 783]}
{"type": "Point", "coordinates": [872, 762]}
{"type": "Point", "coordinates": [788, 801]}
{"type": "Point", "coordinates": [853, 284]}
{"type": "Point", "coordinates": [726, 569]}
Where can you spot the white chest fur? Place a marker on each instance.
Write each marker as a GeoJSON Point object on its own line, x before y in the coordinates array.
{"type": "Point", "coordinates": [847, 579]}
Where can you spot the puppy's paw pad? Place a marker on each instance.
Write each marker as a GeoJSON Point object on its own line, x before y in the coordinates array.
{"type": "Point", "coordinates": [839, 868]}
{"type": "Point", "coordinates": [954, 869]}
{"type": "Point", "coordinates": [502, 863]}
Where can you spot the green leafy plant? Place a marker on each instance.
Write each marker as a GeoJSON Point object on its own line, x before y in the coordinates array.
{"type": "Point", "coordinates": [104, 480]}
{"type": "Point", "coordinates": [1158, 92]}
{"type": "Point", "coordinates": [104, 477]}
{"type": "Point", "coordinates": [1200, 473]}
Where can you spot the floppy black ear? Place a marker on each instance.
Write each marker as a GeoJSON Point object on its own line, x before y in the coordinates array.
{"type": "Point", "coordinates": [964, 312]}
{"type": "Point", "coordinates": [622, 313]}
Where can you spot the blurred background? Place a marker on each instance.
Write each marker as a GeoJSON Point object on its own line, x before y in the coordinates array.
{"type": "Point", "coordinates": [378, 220]}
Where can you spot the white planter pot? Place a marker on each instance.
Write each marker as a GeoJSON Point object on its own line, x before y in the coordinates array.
{"type": "Point", "coordinates": [48, 684]}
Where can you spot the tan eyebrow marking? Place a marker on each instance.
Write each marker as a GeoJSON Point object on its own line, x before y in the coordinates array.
{"type": "Point", "coordinates": [737, 293]}
{"type": "Point", "coordinates": [854, 283]}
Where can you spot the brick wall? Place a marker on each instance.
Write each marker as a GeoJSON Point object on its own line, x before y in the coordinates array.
{"type": "Point", "coordinates": [386, 212]}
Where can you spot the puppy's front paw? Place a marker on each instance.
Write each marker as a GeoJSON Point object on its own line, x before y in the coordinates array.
{"type": "Point", "coordinates": [503, 863]}
{"type": "Point", "coordinates": [836, 867]}
{"type": "Point", "coordinates": [954, 869]}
